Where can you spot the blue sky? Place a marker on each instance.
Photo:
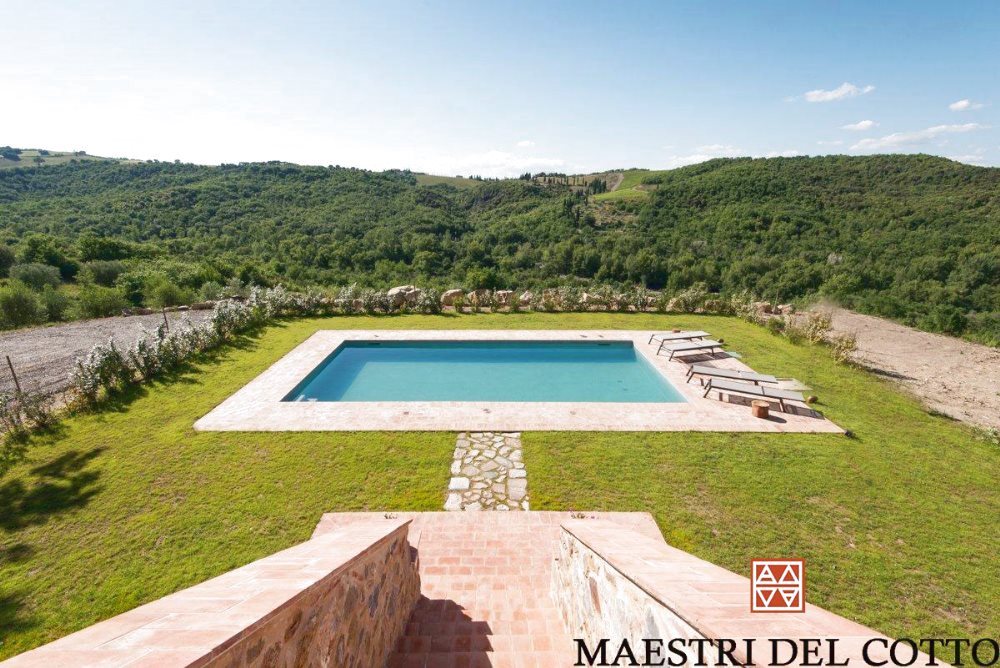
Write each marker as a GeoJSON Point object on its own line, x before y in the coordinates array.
{"type": "Point", "coordinates": [500, 88]}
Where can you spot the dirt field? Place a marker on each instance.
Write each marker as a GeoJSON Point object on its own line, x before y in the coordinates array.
{"type": "Point", "coordinates": [953, 377]}
{"type": "Point", "coordinates": [43, 357]}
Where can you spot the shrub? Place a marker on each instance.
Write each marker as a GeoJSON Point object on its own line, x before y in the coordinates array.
{"type": "Point", "coordinates": [210, 291]}
{"type": "Point", "coordinates": [817, 326]}
{"type": "Point", "coordinates": [164, 293]}
{"type": "Point", "coordinates": [102, 272]}
{"type": "Point", "coordinates": [429, 302]}
{"type": "Point", "coordinates": [7, 260]}
{"type": "Point", "coordinates": [691, 299]}
{"type": "Point", "coordinates": [105, 368]}
{"type": "Point", "coordinates": [98, 302]}
{"type": "Point", "coordinates": [35, 275]}
{"type": "Point", "coordinates": [54, 302]}
{"type": "Point", "coordinates": [19, 305]}
{"type": "Point", "coordinates": [843, 347]}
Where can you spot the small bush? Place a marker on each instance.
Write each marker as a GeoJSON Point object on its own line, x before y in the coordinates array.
{"type": "Point", "coordinates": [35, 275]}
{"type": "Point", "coordinates": [817, 326]}
{"type": "Point", "coordinates": [54, 302]}
{"type": "Point", "coordinates": [99, 302]}
{"type": "Point", "coordinates": [164, 293]}
{"type": "Point", "coordinates": [843, 347]}
{"type": "Point", "coordinates": [102, 272]}
{"type": "Point", "coordinates": [19, 305]}
{"type": "Point", "coordinates": [210, 291]}
{"type": "Point", "coordinates": [7, 260]}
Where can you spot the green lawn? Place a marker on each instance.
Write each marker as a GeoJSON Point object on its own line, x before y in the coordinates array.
{"type": "Point", "coordinates": [899, 526]}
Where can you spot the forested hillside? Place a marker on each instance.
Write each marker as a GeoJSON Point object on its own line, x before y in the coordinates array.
{"type": "Point", "coordinates": [914, 238]}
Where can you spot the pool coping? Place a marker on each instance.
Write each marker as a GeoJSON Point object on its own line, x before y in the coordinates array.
{"type": "Point", "coordinates": [258, 405]}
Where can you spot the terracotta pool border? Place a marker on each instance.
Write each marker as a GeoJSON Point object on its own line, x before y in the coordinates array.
{"type": "Point", "coordinates": [258, 405]}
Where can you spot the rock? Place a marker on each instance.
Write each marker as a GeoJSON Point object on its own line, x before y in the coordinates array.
{"type": "Point", "coordinates": [526, 298]}
{"type": "Point", "coordinates": [398, 294]}
{"type": "Point", "coordinates": [474, 506]}
{"type": "Point", "coordinates": [469, 470]}
{"type": "Point", "coordinates": [459, 483]}
{"type": "Point", "coordinates": [517, 488]}
{"type": "Point", "coordinates": [479, 297]}
{"type": "Point", "coordinates": [456, 467]}
{"type": "Point", "coordinates": [503, 297]}
{"type": "Point", "coordinates": [448, 296]}
{"type": "Point", "coordinates": [785, 309]}
{"type": "Point", "coordinates": [518, 473]}
{"type": "Point", "coordinates": [454, 502]}
{"type": "Point", "coordinates": [504, 462]}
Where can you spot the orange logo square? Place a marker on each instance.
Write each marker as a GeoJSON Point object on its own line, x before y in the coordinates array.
{"type": "Point", "coordinates": [778, 585]}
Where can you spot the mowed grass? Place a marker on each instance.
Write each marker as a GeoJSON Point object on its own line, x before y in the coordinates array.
{"type": "Point", "coordinates": [899, 526]}
{"type": "Point", "coordinates": [631, 187]}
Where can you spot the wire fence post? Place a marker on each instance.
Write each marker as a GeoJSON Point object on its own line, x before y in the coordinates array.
{"type": "Point", "coordinates": [17, 385]}
{"type": "Point", "coordinates": [165, 323]}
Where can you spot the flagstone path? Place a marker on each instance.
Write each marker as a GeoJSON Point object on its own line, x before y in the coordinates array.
{"type": "Point", "coordinates": [488, 473]}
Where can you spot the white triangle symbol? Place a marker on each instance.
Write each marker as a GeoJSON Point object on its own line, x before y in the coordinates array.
{"type": "Point", "coordinates": [790, 575]}
{"type": "Point", "coordinates": [766, 576]}
{"type": "Point", "coordinates": [766, 596]}
{"type": "Point", "coordinates": [789, 596]}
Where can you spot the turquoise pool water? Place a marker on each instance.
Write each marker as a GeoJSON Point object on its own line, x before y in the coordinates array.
{"type": "Point", "coordinates": [485, 371]}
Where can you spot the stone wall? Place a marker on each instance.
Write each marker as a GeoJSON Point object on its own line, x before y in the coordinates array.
{"type": "Point", "coordinates": [340, 599]}
{"type": "Point", "coordinates": [352, 618]}
{"type": "Point", "coordinates": [597, 601]}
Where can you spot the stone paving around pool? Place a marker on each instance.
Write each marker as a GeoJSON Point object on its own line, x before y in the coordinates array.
{"type": "Point", "coordinates": [488, 473]}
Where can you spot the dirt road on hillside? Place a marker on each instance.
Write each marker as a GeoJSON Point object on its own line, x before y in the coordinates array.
{"type": "Point", "coordinates": [43, 357]}
{"type": "Point", "coordinates": [952, 376]}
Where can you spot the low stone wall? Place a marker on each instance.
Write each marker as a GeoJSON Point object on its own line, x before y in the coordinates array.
{"type": "Point", "coordinates": [340, 599]}
{"type": "Point", "coordinates": [612, 582]}
{"type": "Point", "coordinates": [597, 601]}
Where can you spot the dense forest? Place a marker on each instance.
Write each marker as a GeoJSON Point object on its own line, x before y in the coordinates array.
{"type": "Point", "coordinates": [914, 238]}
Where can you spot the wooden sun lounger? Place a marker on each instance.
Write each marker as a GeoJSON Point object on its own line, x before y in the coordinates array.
{"type": "Point", "coordinates": [676, 336]}
{"type": "Point", "coordinates": [732, 374]}
{"type": "Point", "coordinates": [746, 389]}
{"type": "Point", "coordinates": [690, 347]}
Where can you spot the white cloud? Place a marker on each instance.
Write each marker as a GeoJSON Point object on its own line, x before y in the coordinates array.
{"type": "Point", "coordinates": [970, 159]}
{"type": "Point", "coordinates": [965, 105]}
{"type": "Point", "coordinates": [841, 92]}
{"type": "Point", "coordinates": [899, 139]}
{"type": "Point", "coordinates": [787, 153]}
{"type": "Point", "coordinates": [860, 126]}
{"type": "Point", "coordinates": [703, 153]}
{"type": "Point", "coordinates": [493, 164]}
{"type": "Point", "coordinates": [832, 142]}
{"type": "Point", "coordinates": [711, 151]}
{"type": "Point", "coordinates": [525, 143]}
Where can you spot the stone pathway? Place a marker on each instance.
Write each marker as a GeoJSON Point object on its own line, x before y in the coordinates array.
{"type": "Point", "coordinates": [488, 473]}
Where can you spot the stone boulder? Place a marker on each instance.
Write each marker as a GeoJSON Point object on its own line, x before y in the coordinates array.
{"type": "Point", "coordinates": [526, 298]}
{"type": "Point", "coordinates": [448, 296]}
{"type": "Point", "coordinates": [479, 297]}
{"type": "Point", "coordinates": [399, 295]}
{"type": "Point", "coordinates": [785, 309]}
{"type": "Point", "coordinates": [503, 297]}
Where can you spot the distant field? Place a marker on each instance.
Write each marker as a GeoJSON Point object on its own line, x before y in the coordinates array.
{"type": "Point", "coordinates": [457, 181]}
{"type": "Point", "coordinates": [631, 187]}
{"type": "Point", "coordinates": [28, 158]}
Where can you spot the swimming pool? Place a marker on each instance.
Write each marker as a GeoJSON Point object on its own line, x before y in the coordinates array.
{"type": "Point", "coordinates": [485, 371]}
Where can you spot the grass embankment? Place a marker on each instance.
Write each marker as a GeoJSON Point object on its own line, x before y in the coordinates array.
{"type": "Point", "coordinates": [632, 186]}
{"type": "Point", "coordinates": [126, 505]}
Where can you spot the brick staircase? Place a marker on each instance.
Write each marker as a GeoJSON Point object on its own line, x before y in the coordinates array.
{"type": "Point", "coordinates": [486, 579]}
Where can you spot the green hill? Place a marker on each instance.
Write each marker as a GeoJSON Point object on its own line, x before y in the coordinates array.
{"type": "Point", "coordinates": [914, 238]}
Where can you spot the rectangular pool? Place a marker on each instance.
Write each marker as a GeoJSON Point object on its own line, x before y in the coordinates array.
{"type": "Point", "coordinates": [501, 371]}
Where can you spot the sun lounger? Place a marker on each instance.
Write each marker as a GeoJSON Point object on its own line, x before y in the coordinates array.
{"type": "Point", "coordinates": [676, 336]}
{"type": "Point", "coordinates": [746, 389]}
{"type": "Point", "coordinates": [731, 374]}
{"type": "Point", "coordinates": [689, 348]}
